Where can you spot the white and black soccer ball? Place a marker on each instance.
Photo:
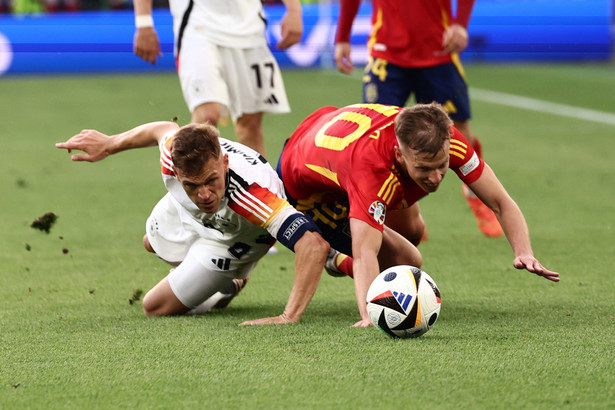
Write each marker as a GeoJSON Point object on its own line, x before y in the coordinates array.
{"type": "Point", "coordinates": [403, 301]}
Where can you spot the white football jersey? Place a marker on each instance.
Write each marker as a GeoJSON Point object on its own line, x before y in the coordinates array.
{"type": "Point", "coordinates": [228, 23]}
{"type": "Point", "coordinates": [254, 207]}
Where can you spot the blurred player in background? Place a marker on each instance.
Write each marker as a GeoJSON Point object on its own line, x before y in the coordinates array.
{"type": "Point", "coordinates": [414, 48]}
{"type": "Point", "coordinates": [223, 60]}
{"type": "Point", "coordinates": [358, 172]}
{"type": "Point", "coordinates": [224, 207]}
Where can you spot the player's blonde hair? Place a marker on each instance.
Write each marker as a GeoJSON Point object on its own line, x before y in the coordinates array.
{"type": "Point", "coordinates": [193, 146]}
{"type": "Point", "coordinates": [423, 127]}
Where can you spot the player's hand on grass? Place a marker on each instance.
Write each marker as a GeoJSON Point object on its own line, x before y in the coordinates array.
{"type": "Point", "coordinates": [363, 323]}
{"type": "Point", "coordinates": [276, 320]}
{"type": "Point", "coordinates": [92, 142]}
{"type": "Point", "coordinates": [530, 263]}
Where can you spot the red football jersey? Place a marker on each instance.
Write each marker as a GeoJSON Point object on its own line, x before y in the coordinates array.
{"type": "Point", "coordinates": [349, 152]}
{"type": "Point", "coordinates": [407, 33]}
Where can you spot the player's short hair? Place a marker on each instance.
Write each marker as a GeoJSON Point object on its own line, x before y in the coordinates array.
{"type": "Point", "coordinates": [193, 146]}
{"type": "Point", "coordinates": [423, 127]}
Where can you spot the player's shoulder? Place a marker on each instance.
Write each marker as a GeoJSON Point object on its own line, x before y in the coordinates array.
{"type": "Point", "coordinates": [167, 139]}
{"type": "Point", "coordinates": [463, 158]}
{"type": "Point", "coordinates": [459, 145]}
{"type": "Point", "coordinates": [246, 163]}
{"type": "Point", "coordinates": [240, 154]}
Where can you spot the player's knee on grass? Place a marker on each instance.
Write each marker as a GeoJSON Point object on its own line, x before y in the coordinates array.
{"type": "Point", "coordinates": [396, 250]}
{"type": "Point", "coordinates": [161, 301]}
{"type": "Point", "coordinates": [416, 233]}
{"type": "Point", "coordinates": [407, 222]}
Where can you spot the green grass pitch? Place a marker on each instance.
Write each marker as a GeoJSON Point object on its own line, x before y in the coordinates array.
{"type": "Point", "coordinates": [71, 338]}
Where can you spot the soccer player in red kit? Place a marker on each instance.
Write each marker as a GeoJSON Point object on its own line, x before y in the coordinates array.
{"type": "Point", "coordinates": [414, 48]}
{"type": "Point", "coordinates": [358, 172]}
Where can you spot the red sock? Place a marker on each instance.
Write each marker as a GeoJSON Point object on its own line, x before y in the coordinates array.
{"type": "Point", "coordinates": [344, 263]}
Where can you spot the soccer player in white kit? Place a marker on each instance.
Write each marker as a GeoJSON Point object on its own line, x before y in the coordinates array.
{"type": "Point", "coordinates": [223, 59]}
{"type": "Point", "coordinates": [224, 209]}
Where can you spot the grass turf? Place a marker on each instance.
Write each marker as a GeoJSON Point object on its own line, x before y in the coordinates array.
{"type": "Point", "coordinates": [70, 338]}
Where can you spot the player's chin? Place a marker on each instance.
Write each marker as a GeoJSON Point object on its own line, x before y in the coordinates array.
{"type": "Point", "coordinates": [430, 187]}
{"type": "Point", "coordinates": [208, 208]}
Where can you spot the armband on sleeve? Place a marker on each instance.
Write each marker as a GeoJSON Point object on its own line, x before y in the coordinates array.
{"type": "Point", "coordinates": [293, 228]}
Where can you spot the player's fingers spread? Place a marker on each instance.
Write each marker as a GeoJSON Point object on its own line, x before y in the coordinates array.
{"type": "Point", "coordinates": [79, 157]}
{"type": "Point", "coordinates": [533, 266]}
{"type": "Point", "coordinates": [552, 276]}
{"type": "Point", "coordinates": [69, 146]}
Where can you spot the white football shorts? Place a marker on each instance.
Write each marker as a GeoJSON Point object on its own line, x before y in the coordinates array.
{"type": "Point", "coordinates": [245, 81]}
{"type": "Point", "coordinates": [204, 265]}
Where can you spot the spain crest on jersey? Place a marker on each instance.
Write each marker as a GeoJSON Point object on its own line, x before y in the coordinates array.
{"type": "Point", "coordinates": [378, 211]}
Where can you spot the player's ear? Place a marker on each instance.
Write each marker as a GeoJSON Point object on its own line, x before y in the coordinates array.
{"type": "Point", "coordinates": [397, 152]}
{"type": "Point", "coordinates": [225, 162]}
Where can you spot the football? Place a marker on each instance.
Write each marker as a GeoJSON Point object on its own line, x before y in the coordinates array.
{"type": "Point", "coordinates": [403, 301]}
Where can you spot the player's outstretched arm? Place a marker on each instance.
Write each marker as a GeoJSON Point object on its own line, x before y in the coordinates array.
{"type": "Point", "coordinates": [97, 146]}
{"type": "Point", "coordinates": [489, 189]}
{"type": "Point", "coordinates": [310, 255]}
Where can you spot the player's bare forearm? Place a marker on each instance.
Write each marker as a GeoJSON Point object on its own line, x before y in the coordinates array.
{"type": "Point", "coordinates": [96, 146]}
{"type": "Point", "coordinates": [142, 7]}
{"type": "Point", "coordinates": [146, 135]}
{"type": "Point", "coordinates": [310, 255]}
{"type": "Point", "coordinates": [515, 228]}
{"type": "Point", "coordinates": [492, 193]}
{"type": "Point", "coordinates": [365, 271]}
{"type": "Point", "coordinates": [366, 242]}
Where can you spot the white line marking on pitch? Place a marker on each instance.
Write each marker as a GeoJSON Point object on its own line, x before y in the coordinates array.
{"type": "Point", "coordinates": [542, 106]}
